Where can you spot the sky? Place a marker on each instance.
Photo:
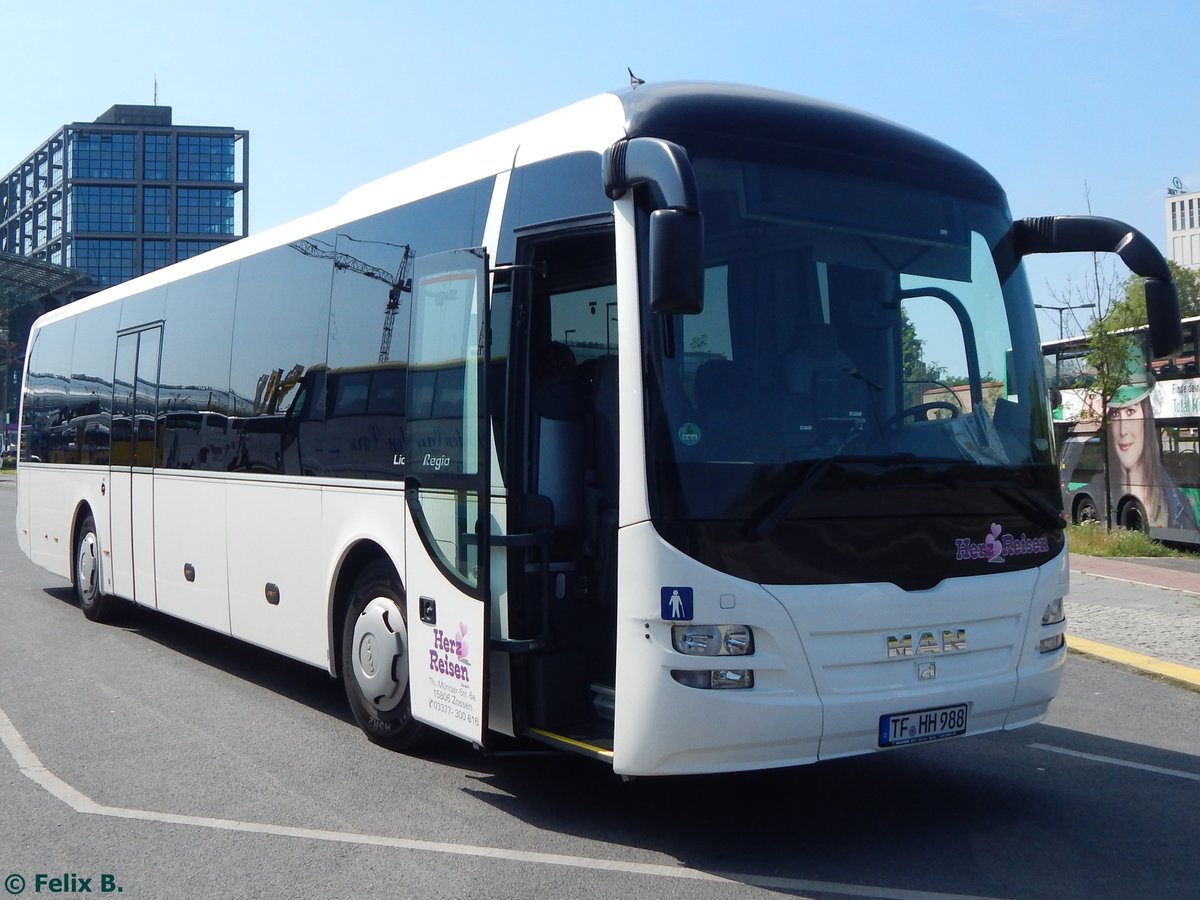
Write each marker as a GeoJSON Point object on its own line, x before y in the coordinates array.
{"type": "Point", "coordinates": [1067, 102]}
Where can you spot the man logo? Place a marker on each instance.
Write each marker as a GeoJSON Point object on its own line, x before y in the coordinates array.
{"type": "Point", "coordinates": [946, 640]}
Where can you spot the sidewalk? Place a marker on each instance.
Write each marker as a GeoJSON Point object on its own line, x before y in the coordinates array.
{"type": "Point", "coordinates": [1142, 612]}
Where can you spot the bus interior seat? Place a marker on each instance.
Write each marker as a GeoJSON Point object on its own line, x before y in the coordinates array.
{"type": "Point", "coordinates": [716, 388]}
{"type": "Point", "coordinates": [821, 386]}
{"type": "Point", "coordinates": [815, 353]}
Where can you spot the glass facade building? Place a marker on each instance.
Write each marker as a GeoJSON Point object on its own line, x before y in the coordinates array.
{"type": "Point", "coordinates": [126, 194]}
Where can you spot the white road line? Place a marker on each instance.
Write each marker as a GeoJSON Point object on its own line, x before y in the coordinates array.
{"type": "Point", "coordinates": [1113, 761]}
{"type": "Point", "coordinates": [31, 767]}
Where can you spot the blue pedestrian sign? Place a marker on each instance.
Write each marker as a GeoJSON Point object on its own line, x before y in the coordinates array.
{"type": "Point", "coordinates": [677, 604]}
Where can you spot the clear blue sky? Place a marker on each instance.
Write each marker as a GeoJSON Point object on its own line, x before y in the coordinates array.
{"type": "Point", "coordinates": [1049, 95]}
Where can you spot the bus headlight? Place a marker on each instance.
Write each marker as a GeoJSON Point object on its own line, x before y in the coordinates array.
{"type": "Point", "coordinates": [1050, 644]}
{"type": "Point", "coordinates": [714, 679]}
{"type": "Point", "coordinates": [713, 640]}
{"type": "Point", "coordinates": [1053, 613]}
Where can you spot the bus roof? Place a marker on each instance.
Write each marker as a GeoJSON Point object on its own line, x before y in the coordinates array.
{"type": "Point", "coordinates": [668, 110]}
{"type": "Point", "coordinates": [819, 127]}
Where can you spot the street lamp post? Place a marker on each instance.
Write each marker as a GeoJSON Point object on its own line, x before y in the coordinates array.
{"type": "Point", "coordinates": [1062, 309]}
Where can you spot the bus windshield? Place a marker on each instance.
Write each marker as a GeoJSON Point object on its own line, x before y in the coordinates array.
{"type": "Point", "coordinates": [858, 358]}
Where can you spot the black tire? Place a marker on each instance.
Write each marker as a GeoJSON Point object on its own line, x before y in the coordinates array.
{"type": "Point", "coordinates": [1133, 517]}
{"type": "Point", "coordinates": [96, 605]}
{"type": "Point", "coordinates": [1085, 510]}
{"type": "Point", "coordinates": [375, 659]}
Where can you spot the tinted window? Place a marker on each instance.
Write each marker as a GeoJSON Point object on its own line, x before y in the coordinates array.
{"type": "Point", "coordinates": [142, 309]}
{"type": "Point", "coordinates": [194, 401]}
{"type": "Point", "coordinates": [369, 323]}
{"type": "Point", "coordinates": [145, 399]}
{"type": "Point", "coordinates": [91, 383]}
{"type": "Point", "coordinates": [279, 340]}
{"type": "Point", "coordinates": [47, 390]}
{"type": "Point", "coordinates": [565, 187]}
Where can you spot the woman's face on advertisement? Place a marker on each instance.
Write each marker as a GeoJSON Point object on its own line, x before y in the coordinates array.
{"type": "Point", "coordinates": [1128, 433]}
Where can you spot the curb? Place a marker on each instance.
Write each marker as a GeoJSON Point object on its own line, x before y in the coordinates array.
{"type": "Point", "coordinates": [1185, 675]}
{"type": "Point", "coordinates": [1132, 570]}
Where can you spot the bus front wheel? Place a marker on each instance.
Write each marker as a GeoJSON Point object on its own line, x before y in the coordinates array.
{"type": "Point", "coordinates": [96, 605]}
{"type": "Point", "coordinates": [375, 659]}
{"type": "Point", "coordinates": [1085, 510]}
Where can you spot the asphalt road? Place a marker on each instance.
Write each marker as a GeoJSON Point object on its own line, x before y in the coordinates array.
{"type": "Point", "coordinates": [181, 763]}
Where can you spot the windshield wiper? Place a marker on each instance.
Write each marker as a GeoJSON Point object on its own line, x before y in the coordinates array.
{"type": "Point", "coordinates": [772, 513]}
{"type": "Point", "coordinates": [767, 518]}
{"type": "Point", "coordinates": [1023, 499]}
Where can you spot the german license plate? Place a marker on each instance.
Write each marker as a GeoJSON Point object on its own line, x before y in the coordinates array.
{"type": "Point", "coordinates": [922, 725]}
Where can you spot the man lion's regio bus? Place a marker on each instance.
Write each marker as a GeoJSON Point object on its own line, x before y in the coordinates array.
{"type": "Point", "coordinates": [599, 432]}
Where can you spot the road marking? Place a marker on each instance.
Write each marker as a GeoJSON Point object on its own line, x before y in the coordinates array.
{"type": "Point", "coordinates": [31, 767]}
{"type": "Point", "coordinates": [1112, 761]}
{"type": "Point", "coordinates": [1175, 671]}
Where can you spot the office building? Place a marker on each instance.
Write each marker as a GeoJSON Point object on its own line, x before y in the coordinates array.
{"type": "Point", "coordinates": [1182, 211]}
{"type": "Point", "coordinates": [98, 203]}
{"type": "Point", "coordinates": [126, 194]}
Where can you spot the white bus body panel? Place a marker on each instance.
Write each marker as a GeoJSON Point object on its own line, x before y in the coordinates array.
{"type": "Point", "coordinates": [45, 526]}
{"type": "Point", "coordinates": [351, 514]}
{"type": "Point", "coordinates": [50, 517]}
{"type": "Point", "coordinates": [191, 511]}
{"type": "Point", "coordinates": [822, 675]}
{"type": "Point", "coordinates": [120, 533]}
{"type": "Point", "coordinates": [283, 548]}
{"type": "Point", "coordinates": [145, 590]}
{"type": "Point", "coordinates": [844, 631]}
{"type": "Point", "coordinates": [663, 727]}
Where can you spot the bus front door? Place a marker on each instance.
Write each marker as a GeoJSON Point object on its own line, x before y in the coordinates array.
{"type": "Point", "coordinates": [447, 472]}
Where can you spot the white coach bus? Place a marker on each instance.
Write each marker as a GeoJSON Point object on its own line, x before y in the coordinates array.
{"type": "Point", "coordinates": [595, 433]}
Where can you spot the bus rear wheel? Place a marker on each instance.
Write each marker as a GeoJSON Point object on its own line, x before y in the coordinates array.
{"type": "Point", "coordinates": [96, 605]}
{"type": "Point", "coordinates": [375, 659]}
{"type": "Point", "coordinates": [1133, 517]}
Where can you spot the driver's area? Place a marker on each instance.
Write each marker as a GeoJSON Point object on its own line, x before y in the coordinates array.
{"type": "Point", "coordinates": [795, 359]}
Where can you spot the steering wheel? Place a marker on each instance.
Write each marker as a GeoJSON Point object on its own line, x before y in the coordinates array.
{"type": "Point", "coordinates": [921, 411]}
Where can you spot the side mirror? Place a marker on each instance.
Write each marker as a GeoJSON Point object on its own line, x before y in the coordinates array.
{"type": "Point", "coordinates": [676, 262]}
{"type": "Point", "coordinates": [1074, 234]}
{"type": "Point", "coordinates": [1162, 317]}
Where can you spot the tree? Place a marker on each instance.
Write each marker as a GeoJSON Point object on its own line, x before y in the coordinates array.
{"type": "Point", "coordinates": [912, 354]}
{"type": "Point", "coordinates": [1114, 356]}
{"type": "Point", "coordinates": [1130, 310]}
{"type": "Point", "coordinates": [1111, 300]}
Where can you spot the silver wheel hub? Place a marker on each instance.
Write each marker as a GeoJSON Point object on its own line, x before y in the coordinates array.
{"type": "Point", "coordinates": [380, 647]}
{"type": "Point", "coordinates": [87, 570]}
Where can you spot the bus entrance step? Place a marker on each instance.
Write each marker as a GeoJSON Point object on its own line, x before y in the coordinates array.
{"type": "Point", "coordinates": [597, 744]}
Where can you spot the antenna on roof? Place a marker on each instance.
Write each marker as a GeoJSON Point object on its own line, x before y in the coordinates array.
{"type": "Point", "coordinates": [633, 79]}
{"type": "Point", "coordinates": [156, 90]}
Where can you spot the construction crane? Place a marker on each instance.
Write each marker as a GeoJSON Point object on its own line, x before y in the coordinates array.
{"type": "Point", "coordinates": [399, 283]}
{"type": "Point", "coordinates": [402, 284]}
